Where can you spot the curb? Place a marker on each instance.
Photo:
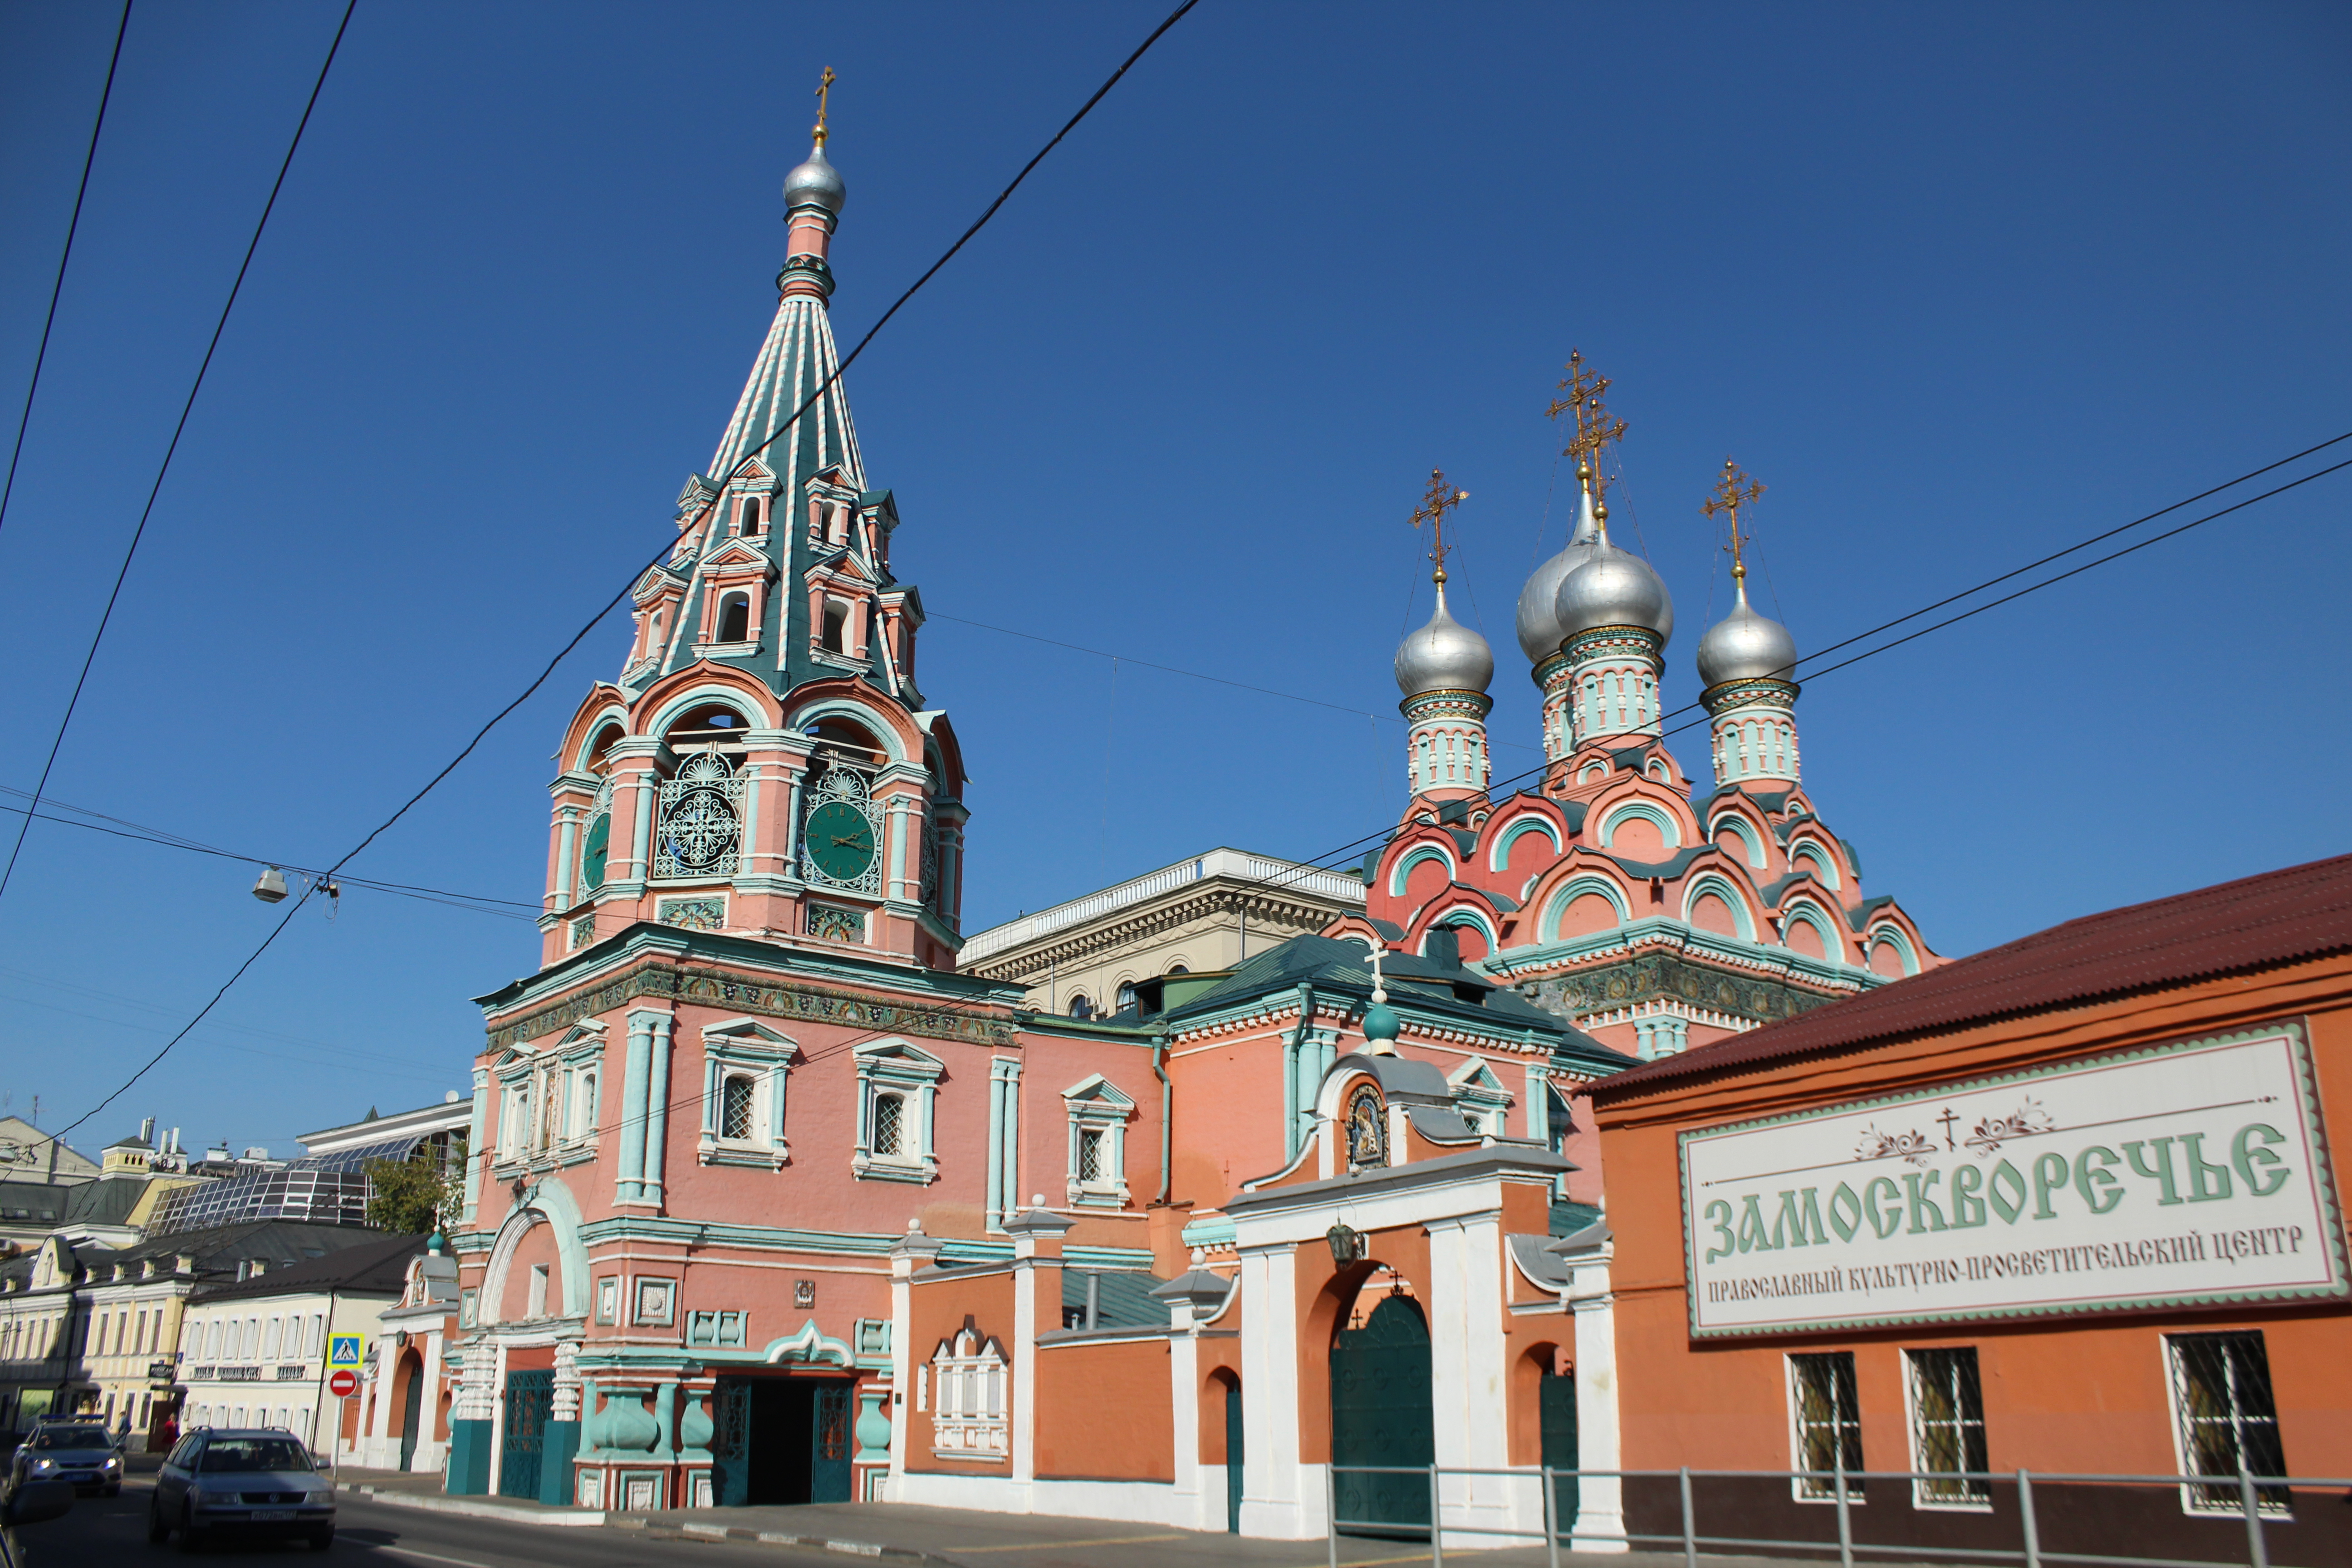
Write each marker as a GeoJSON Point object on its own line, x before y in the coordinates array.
{"type": "Point", "coordinates": [868, 1549]}
{"type": "Point", "coordinates": [557, 1517]}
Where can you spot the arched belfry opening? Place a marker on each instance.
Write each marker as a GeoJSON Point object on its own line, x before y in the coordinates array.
{"type": "Point", "coordinates": [1381, 1412]}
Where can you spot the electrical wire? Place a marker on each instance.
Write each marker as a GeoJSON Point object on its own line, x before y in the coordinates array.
{"type": "Point", "coordinates": [73, 226]}
{"type": "Point", "coordinates": [131, 553]}
{"type": "Point", "coordinates": [274, 931]}
{"type": "Point", "coordinates": [428, 895]}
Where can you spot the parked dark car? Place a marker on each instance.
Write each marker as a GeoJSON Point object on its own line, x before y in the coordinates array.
{"type": "Point", "coordinates": [82, 1454]}
{"type": "Point", "coordinates": [252, 1482]}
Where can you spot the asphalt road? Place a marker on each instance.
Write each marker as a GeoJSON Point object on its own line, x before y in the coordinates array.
{"type": "Point", "coordinates": [108, 1533]}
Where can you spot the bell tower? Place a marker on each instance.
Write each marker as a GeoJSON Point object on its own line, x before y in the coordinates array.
{"type": "Point", "coordinates": [765, 765]}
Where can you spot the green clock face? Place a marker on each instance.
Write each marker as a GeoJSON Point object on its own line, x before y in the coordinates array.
{"type": "Point", "coordinates": [840, 841]}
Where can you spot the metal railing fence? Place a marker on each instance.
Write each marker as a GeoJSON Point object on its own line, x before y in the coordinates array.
{"type": "Point", "coordinates": [2253, 1508]}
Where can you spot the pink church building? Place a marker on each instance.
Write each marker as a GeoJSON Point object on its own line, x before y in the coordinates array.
{"type": "Point", "coordinates": [767, 1202]}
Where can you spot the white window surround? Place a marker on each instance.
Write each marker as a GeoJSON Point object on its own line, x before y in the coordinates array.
{"type": "Point", "coordinates": [1481, 1098]}
{"type": "Point", "coordinates": [969, 1375]}
{"type": "Point", "coordinates": [1094, 1105]}
{"type": "Point", "coordinates": [748, 1049]}
{"type": "Point", "coordinates": [894, 1066]}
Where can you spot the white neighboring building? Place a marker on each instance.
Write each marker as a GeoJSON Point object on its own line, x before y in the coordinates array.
{"type": "Point", "coordinates": [413, 1396]}
{"type": "Point", "coordinates": [254, 1351]}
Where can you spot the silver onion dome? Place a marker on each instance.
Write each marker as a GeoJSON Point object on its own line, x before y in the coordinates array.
{"type": "Point", "coordinates": [1745, 646]}
{"type": "Point", "coordinates": [1443, 656]}
{"type": "Point", "coordinates": [1539, 628]}
{"type": "Point", "coordinates": [815, 181]}
{"type": "Point", "coordinates": [1612, 588]}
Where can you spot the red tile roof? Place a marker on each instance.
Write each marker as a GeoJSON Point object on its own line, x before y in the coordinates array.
{"type": "Point", "coordinates": [2279, 917]}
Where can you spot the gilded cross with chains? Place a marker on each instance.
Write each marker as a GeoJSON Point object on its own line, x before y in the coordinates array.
{"type": "Point", "coordinates": [824, 91]}
{"type": "Point", "coordinates": [1440, 499]}
{"type": "Point", "coordinates": [1732, 491]}
{"type": "Point", "coordinates": [1587, 395]}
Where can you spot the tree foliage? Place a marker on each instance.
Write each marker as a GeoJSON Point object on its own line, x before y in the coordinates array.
{"type": "Point", "coordinates": [408, 1197]}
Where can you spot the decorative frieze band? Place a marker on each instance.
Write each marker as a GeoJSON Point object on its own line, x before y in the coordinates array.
{"type": "Point", "coordinates": [695, 982]}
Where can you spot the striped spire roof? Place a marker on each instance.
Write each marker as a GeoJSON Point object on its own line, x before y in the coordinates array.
{"type": "Point", "coordinates": [793, 362]}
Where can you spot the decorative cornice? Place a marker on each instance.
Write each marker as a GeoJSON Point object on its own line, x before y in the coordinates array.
{"type": "Point", "coordinates": [656, 975]}
{"type": "Point", "coordinates": [1083, 941]}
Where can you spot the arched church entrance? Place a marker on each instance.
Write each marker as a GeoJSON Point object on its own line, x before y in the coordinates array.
{"type": "Point", "coordinates": [1556, 1404]}
{"type": "Point", "coordinates": [1381, 1416]}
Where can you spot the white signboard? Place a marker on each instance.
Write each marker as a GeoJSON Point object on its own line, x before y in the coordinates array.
{"type": "Point", "coordinates": [2184, 1173]}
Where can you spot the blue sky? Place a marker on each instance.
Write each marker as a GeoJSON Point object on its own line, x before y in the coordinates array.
{"type": "Point", "coordinates": [1960, 285]}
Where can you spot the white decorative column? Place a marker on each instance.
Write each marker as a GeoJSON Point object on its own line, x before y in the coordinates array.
{"type": "Point", "coordinates": [650, 1189]}
{"type": "Point", "coordinates": [1281, 1497]}
{"type": "Point", "coordinates": [1468, 1365]}
{"type": "Point", "coordinates": [916, 1251]}
{"type": "Point", "coordinates": [1037, 1272]}
{"type": "Point", "coordinates": [429, 1448]}
{"type": "Point", "coordinates": [1192, 1298]}
{"type": "Point", "coordinates": [1600, 1500]}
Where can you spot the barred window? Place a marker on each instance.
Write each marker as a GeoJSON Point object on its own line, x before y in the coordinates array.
{"type": "Point", "coordinates": [1828, 1421]}
{"type": "Point", "coordinates": [735, 1107]}
{"type": "Point", "coordinates": [1090, 1156]}
{"type": "Point", "coordinates": [890, 1116]}
{"type": "Point", "coordinates": [2226, 1419]}
{"type": "Point", "coordinates": [1947, 1438]}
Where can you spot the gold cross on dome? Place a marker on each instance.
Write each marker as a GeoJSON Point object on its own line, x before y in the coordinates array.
{"type": "Point", "coordinates": [824, 91]}
{"type": "Point", "coordinates": [1732, 491]}
{"type": "Point", "coordinates": [1587, 395]}
{"type": "Point", "coordinates": [1439, 500]}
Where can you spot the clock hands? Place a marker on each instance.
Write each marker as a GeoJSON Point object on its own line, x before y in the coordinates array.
{"type": "Point", "coordinates": [856, 841]}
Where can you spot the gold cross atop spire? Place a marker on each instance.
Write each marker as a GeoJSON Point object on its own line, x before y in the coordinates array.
{"type": "Point", "coordinates": [1732, 491]}
{"type": "Point", "coordinates": [1440, 499]}
{"type": "Point", "coordinates": [1587, 398]}
{"type": "Point", "coordinates": [824, 91]}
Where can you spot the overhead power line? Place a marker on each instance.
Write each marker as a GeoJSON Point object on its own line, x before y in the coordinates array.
{"type": "Point", "coordinates": [73, 226]}
{"type": "Point", "coordinates": [590, 624]}
{"type": "Point", "coordinates": [141, 833]}
{"type": "Point", "coordinates": [131, 551]}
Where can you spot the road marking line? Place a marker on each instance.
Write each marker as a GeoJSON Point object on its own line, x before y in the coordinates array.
{"type": "Point", "coordinates": [1052, 1545]}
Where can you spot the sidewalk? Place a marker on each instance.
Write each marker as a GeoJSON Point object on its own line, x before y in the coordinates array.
{"type": "Point", "coordinates": [963, 1537]}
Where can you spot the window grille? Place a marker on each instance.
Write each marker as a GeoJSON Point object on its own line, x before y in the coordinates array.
{"type": "Point", "coordinates": [1090, 1156]}
{"type": "Point", "coordinates": [890, 1116]}
{"type": "Point", "coordinates": [702, 820]}
{"type": "Point", "coordinates": [735, 1108]}
{"type": "Point", "coordinates": [1827, 1420]}
{"type": "Point", "coordinates": [2227, 1419]}
{"type": "Point", "coordinates": [1947, 1434]}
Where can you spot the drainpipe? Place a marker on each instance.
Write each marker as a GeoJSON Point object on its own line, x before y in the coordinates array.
{"type": "Point", "coordinates": [1167, 1108]}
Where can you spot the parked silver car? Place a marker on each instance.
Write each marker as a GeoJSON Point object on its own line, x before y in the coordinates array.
{"type": "Point", "coordinates": [82, 1454]}
{"type": "Point", "coordinates": [242, 1481]}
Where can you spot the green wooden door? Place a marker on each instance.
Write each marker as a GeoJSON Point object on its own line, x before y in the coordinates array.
{"type": "Point", "coordinates": [411, 1413]}
{"type": "Point", "coordinates": [1381, 1416]}
{"type": "Point", "coordinates": [730, 1442]}
{"type": "Point", "coordinates": [531, 1398]}
{"type": "Point", "coordinates": [829, 1443]}
{"type": "Point", "coordinates": [1556, 1403]}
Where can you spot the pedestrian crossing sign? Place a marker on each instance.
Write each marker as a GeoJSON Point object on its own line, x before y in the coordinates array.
{"type": "Point", "coordinates": [345, 1350]}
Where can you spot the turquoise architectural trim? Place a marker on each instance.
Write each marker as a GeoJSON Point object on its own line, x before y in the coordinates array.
{"type": "Point", "coordinates": [1750, 839]}
{"type": "Point", "coordinates": [476, 1128]}
{"type": "Point", "coordinates": [634, 1067]}
{"type": "Point", "coordinates": [1568, 892]}
{"type": "Point", "coordinates": [470, 1458]}
{"type": "Point", "coordinates": [546, 1202]}
{"type": "Point", "coordinates": [1664, 930]}
{"type": "Point", "coordinates": [776, 1238]}
{"type": "Point", "coordinates": [1209, 1235]}
{"type": "Point", "coordinates": [1897, 938]}
{"type": "Point", "coordinates": [650, 1185]}
{"type": "Point", "coordinates": [1641, 811]}
{"type": "Point", "coordinates": [1467, 914]}
{"type": "Point", "coordinates": [1714, 882]}
{"type": "Point", "coordinates": [809, 1344]}
{"type": "Point", "coordinates": [1107, 1257]}
{"type": "Point", "coordinates": [1824, 927]}
{"type": "Point", "coordinates": [1419, 854]}
{"type": "Point", "coordinates": [1810, 852]}
{"type": "Point", "coordinates": [864, 715]}
{"type": "Point", "coordinates": [1003, 1139]}
{"type": "Point", "coordinates": [560, 1444]}
{"type": "Point", "coordinates": [1499, 854]}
